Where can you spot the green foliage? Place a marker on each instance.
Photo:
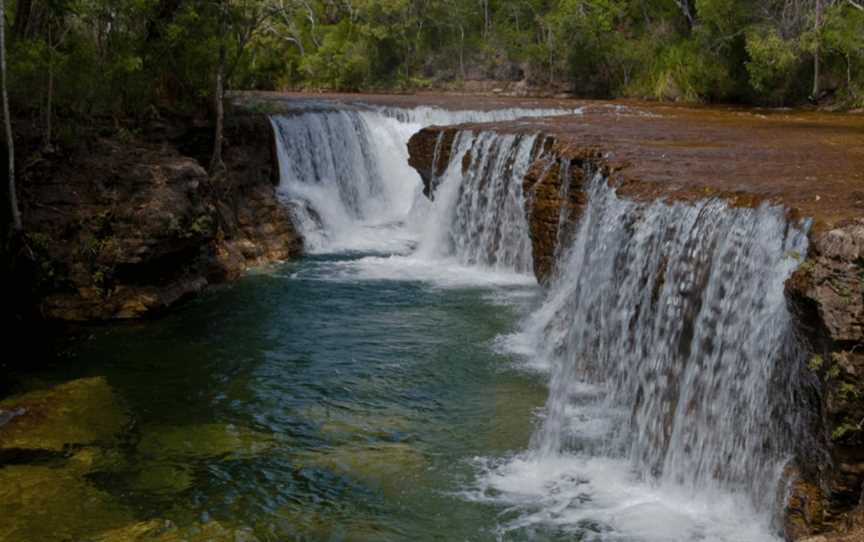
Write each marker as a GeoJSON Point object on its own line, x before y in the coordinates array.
{"type": "Point", "coordinates": [79, 58]}
{"type": "Point", "coordinates": [815, 363]}
{"type": "Point", "coordinates": [773, 63]}
{"type": "Point", "coordinates": [844, 429]}
{"type": "Point", "coordinates": [684, 72]}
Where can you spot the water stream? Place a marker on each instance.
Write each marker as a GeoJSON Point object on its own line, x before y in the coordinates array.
{"type": "Point", "coordinates": [408, 380]}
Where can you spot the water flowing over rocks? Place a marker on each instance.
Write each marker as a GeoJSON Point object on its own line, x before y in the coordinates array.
{"type": "Point", "coordinates": [679, 155]}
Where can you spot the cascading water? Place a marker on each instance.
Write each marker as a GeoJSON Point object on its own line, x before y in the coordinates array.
{"type": "Point", "coordinates": [478, 215]}
{"type": "Point", "coordinates": [668, 418]}
{"type": "Point", "coordinates": [345, 172]}
{"type": "Point", "coordinates": [663, 330]}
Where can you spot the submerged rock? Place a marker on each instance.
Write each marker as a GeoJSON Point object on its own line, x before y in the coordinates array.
{"type": "Point", "coordinates": [293, 524]}
{"type": "Point", "coordinates": [204, 441]}
{"type": "Point", "coordinates": [358, 425]}
{"type": "Point", "coordinates": [41, 503]}
{"type": "Point", "coordinates": [162, 479]}
{"type": "Point", "coordinates": [77, 413]}
{"type": "Point", "coordinates": [391, 467]}
{"type": "Point", "coordinates": [165, 531]}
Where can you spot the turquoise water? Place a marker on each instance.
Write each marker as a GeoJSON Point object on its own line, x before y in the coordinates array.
{"type": "Point", "coordinates": [360, 404]}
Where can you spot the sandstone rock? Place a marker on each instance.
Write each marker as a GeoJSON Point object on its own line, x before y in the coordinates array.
{"type": "Point", "coordinates": [127, 228]}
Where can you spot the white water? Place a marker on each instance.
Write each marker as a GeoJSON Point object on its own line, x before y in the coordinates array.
{"type": "Point", "coordinates": [661, 334]}
{"type": "Point", "coordinates": [668, 418]}
{"type": "Point", "coordinates": [345, 173]}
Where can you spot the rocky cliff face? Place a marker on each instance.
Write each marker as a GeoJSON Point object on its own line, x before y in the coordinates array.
{"type": "Point", "coordinates": [827, 294]}
{"type": "Point", "coordinates": [121, 227]}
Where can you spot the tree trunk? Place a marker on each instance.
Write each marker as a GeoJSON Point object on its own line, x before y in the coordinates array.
{"type": "Point", "coordinates": [7, 120]}
{"type": "Point", "coordinates": [23, 12]}
{"type": "Point", "coordinates": [216, 164]}
{"type": "Point", "coordinates": [462, 51]}
{"type": "Point", "coordinates": [816, 53]}
{"type": "Point", "coordinates": [49, 106]}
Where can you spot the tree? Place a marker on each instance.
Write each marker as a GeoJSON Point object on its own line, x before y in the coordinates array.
{"type": "Point", "coordinates": [238, 22]}
{"type": "Point", "coordinates": [216, 164]}
{"type": "Point", "coordinates": [816, 50]}
{"type": "Point", "coordinates": [7, 120]}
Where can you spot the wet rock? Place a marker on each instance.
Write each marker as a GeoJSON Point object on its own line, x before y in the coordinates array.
{"type": "Point", "coordinates": [165, 531]}
{"type": "Point", "coordinates": [41, 503]}
{"type": "Point", "coordinates": [554, 189]}
{"type": "Point", "coordinates": [356, 425]}
{"type": "Point", "coordinates": [204, 441]}
{"type": "Point", "coordinates": [429, 153]}
{"type": "Point", "coordinates": [77, 413]}
{"type": "Point", "coordinates": [293, 524]}
{"type": "Point", "coordinates": [832, 281]}
{"type": "Point", "coordinates": [392, 467]}
{"type": "Point", "coordinates": [804, 508]}
{"type": "Point", "coordinates": [162, 479]}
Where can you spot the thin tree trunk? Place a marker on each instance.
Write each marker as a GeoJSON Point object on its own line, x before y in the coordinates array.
{"type": "Point", "coordinates": [23, 13]}
{"type": "Point", "coordinates": [462, 51]}
{"type": "Point", "coordinates": [7, 120]}
{"type": "Point", "coordinates": [216, 164]}
{"type": "Point", "coordinates": [49, 108]}
{"type": "Point", "coordinates": [816, 53]}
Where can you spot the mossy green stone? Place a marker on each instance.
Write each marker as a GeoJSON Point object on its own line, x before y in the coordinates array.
{"type": "Point", "coordinates": [204, 441]}
{"type": "Point", "coordinates": [44, 504]}
{"type": "Point", "coordinates": [162, 479]}
{"type": "Point", "coordinates": [77, 413]}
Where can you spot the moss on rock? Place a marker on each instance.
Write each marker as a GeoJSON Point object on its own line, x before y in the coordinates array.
{"type": "Point", "coordinates": [204, 441]}
{"type": "Point", "coordinates": [77, 413]}
{"type": "Point", "coordinates": [46, 503]}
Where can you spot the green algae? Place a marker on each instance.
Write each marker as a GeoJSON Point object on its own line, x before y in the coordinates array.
{"type": "Point", "coordinates": [77, 413]}
{"type": "Point", "coordinates": [54, 504]}
{"type": "Point", "coordinates": [193, 442]}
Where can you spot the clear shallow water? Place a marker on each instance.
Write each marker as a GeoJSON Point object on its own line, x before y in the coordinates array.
{"type": "Point", "coordinates": [377, 394]}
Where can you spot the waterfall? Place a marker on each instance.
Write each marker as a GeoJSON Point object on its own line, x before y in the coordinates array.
{"type": "Point", "coordinates": [344, 172]}
{"type": "Point", "coordinates": [671, 352]}
{"type": "Point", "coordinates": [478, 215]}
